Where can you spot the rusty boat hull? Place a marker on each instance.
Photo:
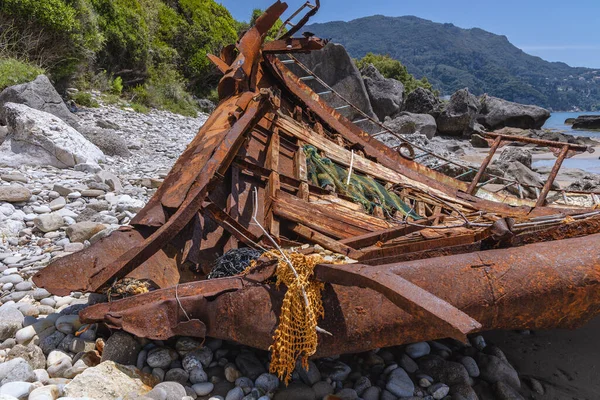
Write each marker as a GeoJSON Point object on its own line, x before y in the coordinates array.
{"type": "Point", "coordinates": [436, 256]}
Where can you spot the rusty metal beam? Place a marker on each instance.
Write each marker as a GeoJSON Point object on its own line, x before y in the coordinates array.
{"type": "Point", "coordinates": [473, 185]}
{"type": "Point", "coordinates": [539, 142]}
{"type": "Point", "coordinates": [294, 45]}
{"type": "Point", "coordinates": [555, 168]}
{"type": "Point", "coordinates": [421, 304]}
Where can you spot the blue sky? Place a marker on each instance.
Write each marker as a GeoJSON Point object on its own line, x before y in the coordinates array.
{"type": "Point", "coordinates": [554, 30]}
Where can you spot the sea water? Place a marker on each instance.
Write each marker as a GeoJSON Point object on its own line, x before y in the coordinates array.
{"type": "Point", "coordinates": [557, 122]}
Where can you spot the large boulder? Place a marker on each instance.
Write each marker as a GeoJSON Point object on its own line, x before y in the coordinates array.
{"type": "Point", "coordinates": [107, 140]}
{"type": "Point", "coordinates": [408, 123]}
{"type": "Point", "coordinates": [459, 114]}
{"type": "Point", "coordinates": [587, 122]}
{"type": "Point", "coordinates": [422, 101]}
{"type": "Point", "coordinates": [497, 113]}
{"type": "Point", "coordinates": [385, 94]}
{"type": "Point", "coordinates": [40, 95]}
{"type": "Point", "coordinates": [40, 138]}
{"type": "Point", "coordinates": [525, 176]}
{"type": "Point", "coordinates": [334, 66]}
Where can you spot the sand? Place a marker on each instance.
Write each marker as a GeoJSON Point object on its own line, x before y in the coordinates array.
{"type": "Point", "coordinates": [566, 363]}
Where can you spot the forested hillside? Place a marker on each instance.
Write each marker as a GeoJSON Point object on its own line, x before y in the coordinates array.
{"type": "Point", "coordinates": [155, 49]}
{"type": "Point", "coordinates": [453, 58]}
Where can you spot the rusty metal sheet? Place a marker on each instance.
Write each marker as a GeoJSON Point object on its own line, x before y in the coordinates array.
{"type": "Point", "coordinates": [539, 286]}
{"type": "Point", "coordinates": [72, 272]}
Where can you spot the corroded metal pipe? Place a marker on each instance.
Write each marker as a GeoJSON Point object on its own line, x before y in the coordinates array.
{"type": "Point", "coordinates": [537, 286]}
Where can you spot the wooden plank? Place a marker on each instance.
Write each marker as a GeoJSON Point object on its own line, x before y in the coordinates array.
{"type": "Point", "coordinates": [325, 241]}
{"type": "Point", "coordinates": [422, 245]}
{"type": "Point", "coordinates": [233, 201]}
{"type": "Point", "coordinates": [273, 184]}
{"type": "Point", "coordinates": [325, 219]}
{"type": "Point", "coordinates": [230, 224]}
{"type": "Point", "coordinates": [384, 235]}
{"type": "Point", "coordinates": [300, 171]}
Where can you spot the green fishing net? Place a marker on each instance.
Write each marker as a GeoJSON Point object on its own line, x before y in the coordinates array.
{"type": "Point", "coordinates": [364, 190]}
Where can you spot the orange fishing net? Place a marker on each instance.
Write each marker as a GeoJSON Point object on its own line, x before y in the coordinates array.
{"type": "Point", "coordinates": [296, 334]}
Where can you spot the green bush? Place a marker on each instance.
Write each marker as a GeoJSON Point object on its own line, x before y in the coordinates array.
{"type": "Point", "coordinates": [84, 99]}
{"type": "Point", "coordinates": [57, 34]}
{"type": "Point", "coordinates": [394, 69]}
{"type": "Point", "coordinates": [126, 33]}
{"type": "Point", "coordinates": [117, 85]}
{"type": "Point", "coordinates": [165, 90]}
{"type": "Point", "coordinates": [14, 72]}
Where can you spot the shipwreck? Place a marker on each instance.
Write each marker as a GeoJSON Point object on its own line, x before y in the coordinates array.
{"type": "Point", "coordinates": [278, 169]}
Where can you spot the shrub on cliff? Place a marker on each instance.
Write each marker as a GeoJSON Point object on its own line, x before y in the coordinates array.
{"type": "Point", "coordinates": [394, 69]}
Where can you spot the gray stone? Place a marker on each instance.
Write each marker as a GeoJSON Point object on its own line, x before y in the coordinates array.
{"type": "Point", "coordinates": [108, 140]}
{"type": "Point", "coordinates": [408, 123]}
{"type": "Point", "coordinates": [20, 390]}
{"type": "Point", "coordinates": [493, 369]}
{"type": "Point", "coordinates": [400, 384]}
{"type": "Point", "coordinates": [335, 66]}
{"type": "Point", "coordinates": [422, 101]}
{"type": "Point", "coordinates": [49, 222]}
{"type": "Point", "coordinates": [322, 389]}
{"type": "Point", "coordinates": [471, 366]}
{"type": "Point", "coordinates": [527, 178]}
{"type": "Point", "coordinates": [16, 370]}
{"type": "Point", "coordinates": [362, 384]}
{"type": "Point", "coordinates": [203, 389]}
{"type": "Point", "coordinates": [504, 391]}
{"type": "Point", "coordinates": [458, 114]}
{"type": "Point", "coordinates": [30, 353]}
{"type": "Point", "coordinates": [267, 382]}
{"type": "Point", "coordinates": [336, 371]}
{"type": "Point", "coordinates": [14, 193]}
{"type": "Point", "coordinates": [197, 375]}
{"type": "Point", "coordinates": [385, 94]}
{"type": "Point", "coordinates": [186, 344]}
{"type": "Point", "coordinates": [82, 231]}
{"type": "Point", "coordinates": [295, 391]}
{"type": "Point", "coordinates": [40, 95]}
{"type": "Point", "coordinates": [235, 394]}
{"type": "Point", "coordinates": [498, 113]}
{"type": "Point", "coordinates": [11, 320]}
{"type": "Point", "coordinates": [39, 138]}
{"type": "Point", "coordinates": [371, 393]}
{"type": "Point", "coordinates": [197, 358]}
{"type": "Point", "coordinates": [177, 375]}
{"type": "Point", "coordinates": [108, 381]}
{"type": "Point", "coordinates": [416, 350]}
{"type": "Point", "coordinates": [511, 154]}
{"type": "Point", "coordinates": [122, 348]}
{"type": "Point", "coordinates": [250, 365]}
{"type": "Point", "coordinates": [438, 390]}
{"type": "Point", "coordinates": [160, 357]}
{"type": "Point", "coordinates": [51, 341]}
{"type": "Point", "coordinates": [310, 377]}
{"type": "Point", "coordinates": [408, 364]}
{"type": "Point", "coordinates": [347, 394]}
